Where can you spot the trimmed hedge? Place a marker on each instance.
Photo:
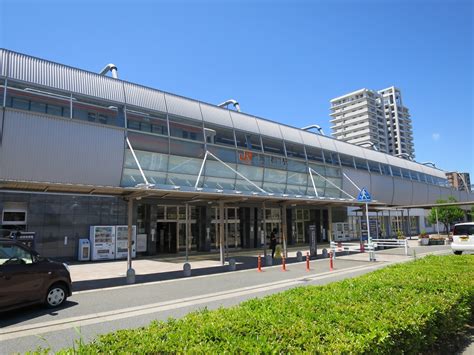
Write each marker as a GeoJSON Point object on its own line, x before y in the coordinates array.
{"type": "Point", "coordinates": [406, 308]}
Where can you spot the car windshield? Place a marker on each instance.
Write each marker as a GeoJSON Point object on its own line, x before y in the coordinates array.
{"type": "Point", "coordinates": [467, 229]}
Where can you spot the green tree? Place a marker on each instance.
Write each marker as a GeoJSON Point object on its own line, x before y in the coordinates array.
{"type": "Point", "coordinates": [446, 214]}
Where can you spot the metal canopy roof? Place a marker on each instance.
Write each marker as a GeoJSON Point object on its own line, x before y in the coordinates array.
{"type": "Point", "coordinates": [191, 195]}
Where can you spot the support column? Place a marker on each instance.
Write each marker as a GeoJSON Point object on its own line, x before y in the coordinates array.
{"type": "Point", "coordinates": [186, 230]}
{"type": "Point", "coordinates": [389, 225]}
{"type": "Point", "coordinates": [409, 224]}
{"type": "Point", "coordinates": [284, 230]}
{"type": "Point", "coordinates": [264, 231]}
{"type": "Point", "coordinates": [221, 231]}
{"type": "Point", "coordinates": [330, 223]}
{"type": "Point", "coordinates": [130, 271]}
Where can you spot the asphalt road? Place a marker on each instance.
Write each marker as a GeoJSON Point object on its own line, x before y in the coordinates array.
{"type": "Point", "coordinates": [89, 313]}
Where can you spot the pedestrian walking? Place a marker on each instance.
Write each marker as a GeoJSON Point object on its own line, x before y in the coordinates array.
{"type": "Point", "coordinates": [273, 242]}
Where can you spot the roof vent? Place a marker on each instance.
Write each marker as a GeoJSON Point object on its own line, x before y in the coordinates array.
{"type": "Point", "coordinates": [230, 102]}
{"type": "Point", "coordinates": [315, 126]}
{"type": "Point", "coordinates": [112, 68]}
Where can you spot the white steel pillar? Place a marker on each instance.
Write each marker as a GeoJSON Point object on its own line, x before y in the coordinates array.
{"type": "Point", "coordinates": [221, 231]}
{"type": "Point", "coordinates": [130, 271]}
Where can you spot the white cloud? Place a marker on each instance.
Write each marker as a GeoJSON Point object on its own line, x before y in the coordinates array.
{"type": "Point", "coordinates": [435, 136]}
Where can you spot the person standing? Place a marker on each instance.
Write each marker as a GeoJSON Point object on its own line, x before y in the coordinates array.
{"type": "Point", "coordinates": [273, 242]}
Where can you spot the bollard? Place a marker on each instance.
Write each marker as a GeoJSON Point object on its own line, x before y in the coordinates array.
{"type": "Point", "coordinates": [232, 265]}
{"type": "Point", "coordinates": [283, 263]}
{"type": "Point", "coordinates": [259, 263]}
{"type": "Point", "coordinates": [325, 253]}
{"type": "Point", "coordinates": [362, 249]}
{"type": "Point", "coordinates": [331, 266]}
{"type": "Point", "coordinates": [187, 269]}
{"type": "Point", "coordinates": [307, 261]}
{"type": "Point", "coordinates": [299, 256]}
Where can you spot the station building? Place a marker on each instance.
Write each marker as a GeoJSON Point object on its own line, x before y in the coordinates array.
{"type": "Point", "coordinates": [76, 146]}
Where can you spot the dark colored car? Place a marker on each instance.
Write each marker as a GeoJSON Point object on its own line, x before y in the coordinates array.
{"type": "Point", "coordinates": [27, 278]}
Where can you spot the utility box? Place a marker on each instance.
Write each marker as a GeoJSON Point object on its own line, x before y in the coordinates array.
{"type": "Point", "coordinates": [84, 250]}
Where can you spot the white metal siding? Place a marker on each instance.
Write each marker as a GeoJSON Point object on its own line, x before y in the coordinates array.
{"type": "Point", "coordinates": [217, 115]}
{"type": "Point", "coordinates": [269, 129]}
{"type": "Point", "coordinates": [310, 139]}
{"type": "Point", "coordinates": [349, 149]}
{"type": "Point", "coordinates": [291, 134]}
{"type": "Point", "coordinates": [420, 193]}
{"type": "Point", "coordinates": [61, 77]}
{"type": "Point", "coordinates": [244, 122]}
{"type": "Point", "coordinates": [3, 62]}
{"type": "Point", "coordinates": [141, 96]}
{"type": "Point", "coordinates": [360, 178]}
{"type": "Point", "coordinates": [402, 191]}
{"type": "Point", "coordinates": [183, 107]}
{"type": "Point", "coordinates": [381, 188]}
{"type": "Point", "coordinates": [45, 149]}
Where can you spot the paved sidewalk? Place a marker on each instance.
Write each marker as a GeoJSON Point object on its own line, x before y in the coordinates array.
{"type": "Point", "coordinates": [100, 274]}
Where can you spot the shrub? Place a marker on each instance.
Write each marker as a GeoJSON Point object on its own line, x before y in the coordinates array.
{"type": "Point", "coordinates": [406, 308]}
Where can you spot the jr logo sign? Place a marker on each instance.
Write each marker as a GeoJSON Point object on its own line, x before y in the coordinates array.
{"type": "Point", "coordinates": [245, 156]}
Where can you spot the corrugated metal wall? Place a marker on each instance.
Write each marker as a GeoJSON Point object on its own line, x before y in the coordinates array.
{"type": "Point", "coordinates": [141, 96]}
{"type": "Point", "coordinates": [45, 149]}
{"type": "Point", "coordinates": [61, 77]}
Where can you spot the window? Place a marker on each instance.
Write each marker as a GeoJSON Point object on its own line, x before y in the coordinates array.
{"type": "Point", "coordinates": [219, 135]}
{"type": "Point", "coordinates": [187, 129]}
{"type": "Point", "coordinates": [361, 164]}
{"type": "Point", "coordinates": [314, 154]}
{"type": "Point", "coordinates": [146, 122]}
{"type": "Point", "coordinates": [406, 174]}
{"type": "Point", "coordinates": [273, 146]}
{"type": "Point", "coordinates": [295, 150]}
{"type": "Point", "coordinates": [248, 140]}
{"type": "Point", "coordinates": [13, 254]}
{"type": "Point", "coordinates": [14, 216]}
{"type": "Point", "coordinates": [396, 171]}
{"type": "Point", "coordinates": [374, 167]}
{"type": "Point", "coordinates": [414, 175]}
{"type": "Point", "coordinates": [346, 160]}
{"type": "Point", "coordinates": [331, 157]}
{"type": "Point", "coordinates": [385, 169]}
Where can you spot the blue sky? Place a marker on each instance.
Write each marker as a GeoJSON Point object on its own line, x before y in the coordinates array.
{"type": "Point", "coordinates": [282, 60]}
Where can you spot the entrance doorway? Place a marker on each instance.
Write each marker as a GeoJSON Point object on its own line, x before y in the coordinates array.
{"type": "Point", "coordinates": [273, 221]}
{"type": "Point", "coordinates": [166, 232]}
{"type": "Point", "coordinates": [231, 228]}
{"type": "Point", "coordinates": [171, 229]}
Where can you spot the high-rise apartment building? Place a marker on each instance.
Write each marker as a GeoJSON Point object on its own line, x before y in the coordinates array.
{"type": "Point", "coordinates": [358, 118]}
{"type": "Point", "coordinates": [374, 118]}
{"type": "Point", "coordinates": [460, 181]}
{"type": "Point", "coordinates": [400, 131]}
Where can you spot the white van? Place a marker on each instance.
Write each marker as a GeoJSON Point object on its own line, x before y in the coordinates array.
{"type": "Point", "coordinates": [463, 238]}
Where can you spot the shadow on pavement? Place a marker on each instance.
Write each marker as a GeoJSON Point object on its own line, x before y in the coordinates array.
{"type": "Point", "coordinates": [242, 263]}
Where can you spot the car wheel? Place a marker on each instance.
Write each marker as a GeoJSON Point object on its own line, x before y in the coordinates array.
{"type": "Point", "coordinates": [56, 296]}
{"type": "Point", "coordinates": [458, 252]}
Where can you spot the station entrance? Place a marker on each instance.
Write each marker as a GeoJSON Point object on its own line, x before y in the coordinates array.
{"type": "Point", "coordinates": [171, 229]}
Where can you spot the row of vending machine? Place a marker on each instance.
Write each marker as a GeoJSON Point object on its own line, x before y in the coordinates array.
{"type": "Point", "coordinates": [107, 243]}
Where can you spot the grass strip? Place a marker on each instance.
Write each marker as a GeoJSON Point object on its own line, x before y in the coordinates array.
{"type": "Point", "coordinates": [411, 308]}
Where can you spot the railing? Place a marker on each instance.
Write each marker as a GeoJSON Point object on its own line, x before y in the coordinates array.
{"type": "Point", "coordinates": [361, 247]}
{"type": "Point", "coordinates": [391, 243]}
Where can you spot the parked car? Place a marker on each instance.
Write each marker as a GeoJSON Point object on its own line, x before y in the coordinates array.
{"type": "Point", "coordinates": [27, 278]}
{"type": "Point", "coordinates": [463, 238]}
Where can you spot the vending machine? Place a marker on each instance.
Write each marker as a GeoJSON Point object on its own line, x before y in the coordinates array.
{"type": "Point", "coordinates": [121, 242]}
{"type": "Point", "coordinates": [102, 240]}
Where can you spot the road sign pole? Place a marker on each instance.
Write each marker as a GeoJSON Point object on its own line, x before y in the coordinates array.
{"type": "Point", "coordinates": [369, 240]}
